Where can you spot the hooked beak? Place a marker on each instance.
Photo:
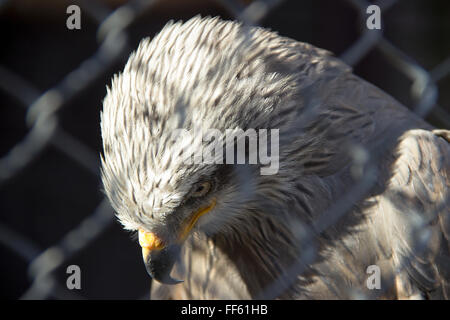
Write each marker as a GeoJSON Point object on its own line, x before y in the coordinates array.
{"type": "Point", "coordinates": [158, 257]}
{"type": "Point", "coordinates": [159, 263]}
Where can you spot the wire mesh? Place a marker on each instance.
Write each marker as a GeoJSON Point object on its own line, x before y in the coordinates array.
{"type": "Point", "coordinates": [45, 130]}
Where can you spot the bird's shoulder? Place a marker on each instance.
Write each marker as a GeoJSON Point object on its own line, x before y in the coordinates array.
{"type": "Point", "coordinates": [418, 200]}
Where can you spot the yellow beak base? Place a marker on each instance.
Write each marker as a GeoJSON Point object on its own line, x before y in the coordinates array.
{"type": "Point", "coordinates": [150, 241]}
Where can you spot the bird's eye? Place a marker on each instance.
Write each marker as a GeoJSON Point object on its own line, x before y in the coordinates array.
{"type": "Point", "coordinates": [201, 189]}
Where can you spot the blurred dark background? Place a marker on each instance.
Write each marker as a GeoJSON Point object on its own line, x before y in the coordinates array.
{"type": "Point", "coordinates": [53, 194]}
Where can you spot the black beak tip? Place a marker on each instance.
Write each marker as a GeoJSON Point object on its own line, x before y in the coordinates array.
{"type": "Point", "coordinates": [163, 278]}
{"type": "Point", "coordinates": [159, 264]}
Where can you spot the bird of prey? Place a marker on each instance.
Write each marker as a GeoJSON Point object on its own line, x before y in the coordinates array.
{"type": "Point", "coordinates": [358, 206]}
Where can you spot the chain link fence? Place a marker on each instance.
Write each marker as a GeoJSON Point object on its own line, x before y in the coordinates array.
{"type": "Point", "coordinates": [113, 23]}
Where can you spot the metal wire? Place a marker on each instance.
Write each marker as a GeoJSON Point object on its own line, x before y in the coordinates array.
{"type": "Point", "coordinates": [113, 35]}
